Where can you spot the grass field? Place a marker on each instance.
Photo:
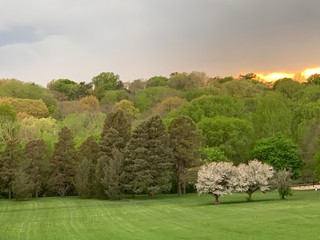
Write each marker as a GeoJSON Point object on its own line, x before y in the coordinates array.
{"type": "Point", "coordinates": [165, 217]}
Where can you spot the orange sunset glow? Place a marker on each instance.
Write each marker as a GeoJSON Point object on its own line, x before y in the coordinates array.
{"type": "Point", "coordinates": [272, 77]}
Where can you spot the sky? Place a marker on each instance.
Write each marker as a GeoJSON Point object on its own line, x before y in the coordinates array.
{"type": "Point", "coordinates": [42, 40]}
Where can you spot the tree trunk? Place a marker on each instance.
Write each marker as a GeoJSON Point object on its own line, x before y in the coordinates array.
{"type": "Point", "coordinates": [183, 188]}
{"type": "Point", "coordinates": [179, 186]}
{"type": "Point", "coordinates": [10, 193]}
{"type": "Point", "coordinates": [216, 199]}
{"type": "Point", "coordinates": [249, 196]}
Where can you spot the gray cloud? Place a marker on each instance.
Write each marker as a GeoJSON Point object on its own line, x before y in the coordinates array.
{"type": "Point", "coordinates": [20, 34]}
{"type": "Point", "coordinates": [142, 38]}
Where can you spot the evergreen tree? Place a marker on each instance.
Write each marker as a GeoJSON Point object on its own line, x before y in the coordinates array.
{"type": "Point", "coordinates": [36, 155]}
{"type": "Point", "coordinates": [116, 132]}
{"type": "Point", "coordinates": [111, 180]}
{"type": "Point", "coordinates": [23, 185]}
{"type": "Point", "coordinates": [63, 163]}
{"type": "Point", "coordinates": [85, 181]}
{"type": "Point", "coordinates": [148, 162]}
{"type": "Point", "coordinates": [185, 142]}
{"type": "Point", "coordinates": [10, 159]}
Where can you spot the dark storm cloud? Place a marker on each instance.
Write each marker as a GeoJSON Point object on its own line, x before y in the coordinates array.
{"type": "Point", "coordinates": [19, 34]}
{"type": "Point", "coordinates": [143, 38]}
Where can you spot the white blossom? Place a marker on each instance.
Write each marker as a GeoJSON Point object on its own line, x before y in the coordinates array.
{"type": "Point", "coordinates": [217, 178]}
{"type": "Point", "coordinates": [253, 176]}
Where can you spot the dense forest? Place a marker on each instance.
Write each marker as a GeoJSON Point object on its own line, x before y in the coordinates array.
{"type": "Point", "coordinates": [107, 138]}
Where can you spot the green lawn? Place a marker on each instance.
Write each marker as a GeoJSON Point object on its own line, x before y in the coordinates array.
{"type": "Point", "coordinates": [165, 217]}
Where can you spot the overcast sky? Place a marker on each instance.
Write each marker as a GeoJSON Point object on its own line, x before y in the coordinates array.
{"type": "Point", "coordinates": [41, 40]}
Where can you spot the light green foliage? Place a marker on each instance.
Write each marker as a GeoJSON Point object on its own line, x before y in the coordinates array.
{"type": "Point", "coordinates": [148, 97]}
{"type": "Point", "coordinates": [243, 88]}
{"type": "Point", "coordinates": [43, 128]}
{"type": "Point", "coordinates": [213, 154]}
{"type": "Point", "coordinates": [83, 125]}
{"type": "Point", "coordinates": [35, 108]}
{"type": "Point", "coordinates": [108, 80]}
{"type": "Point", "coordinates": [157, 81]}
{"type": "Point", "coordinates": [210, 106]}
{"type": "Point", "coordinates": [202, 91]}
{"type": "Point", "coordinates": [18, 89]}
{"type": "Point", "coordinates": [114, 96]}
{"type": "Point", "coordinates": [288, 87]}
{"type": "Point", "coordinates": [7, 113]}
{"type": "Point", "coordinates": [128, 108]}
{"type": "Point", "coordinates": [272, 116]}
{"type": "Point", "coordinates": [279, 152]}
{"type": "Point", "coordinates": [232, 135]}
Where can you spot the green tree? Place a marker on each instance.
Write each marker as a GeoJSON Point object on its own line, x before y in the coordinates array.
{"type": "Point", "coordinates": [148, 159]}
{"type": "Point", "coordinates": [115, 135]}
{"type": "Point", "coordinates": [157, 81]}
{"type": "Point", "coordinates": [112, 178]}
{"type": "Point", "coordinates": [210, 106]}
{"type": "Point", "coordinates": [36, 165]}
{"type": "Point", "coordinates": [136, 86]}
{"type": "Point", "coordinates": [279, 152]}
{"type": "Point", "coordinates": [22, 185]}
{"type": "Point", "coordinates": [10, 160]}
{"type": "Point", "coordinates": [63, 163]}
{"type": "Point", "coordinates": [103, 82]}
{"type": "Point", "coordinates": [232, 135]}
{"type": "Point", "coordinates": [64, 89]}
{"type": "Point", "coordinates": [185, 142]}
{"type": "Point", "coordinates": [272, 116]}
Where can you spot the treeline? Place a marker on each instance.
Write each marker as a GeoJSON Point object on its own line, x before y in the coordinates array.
{"type": "Point", "coordinates": [232, 120]}
{"type": "Point", "coordinates": [147, 159]}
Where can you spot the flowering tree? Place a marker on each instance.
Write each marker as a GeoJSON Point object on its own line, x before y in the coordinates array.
{"type": "Point", "coordinates": [253, 176]}
{"type": "Point", "coordinates": [217, 178]}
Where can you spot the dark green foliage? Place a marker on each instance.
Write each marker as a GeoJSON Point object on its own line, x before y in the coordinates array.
{"type": "Point", "coordinates": [63, 163]}
{"type": "Point", "coordinates": [148, 159]}
{"type": "Point", "coordinates": [314, 79]}
{"type": "Point", "coordinates": [36, 164]}
{"type": "Point", "coordinates": [115, 135]}
{"type": "Point", "coordinates": [288, 87]}
{"type": "Point", "coordinates": [112, 180]}
{"type": "Point", "coordinates": [22, 186]}
{"type": "Point", "coordinates": [84, 179]}
{"type": "Point", "coordinates": [64, 89]}
{"type": "Point", "coordinates": [119, 122]}
{"type": "Point", "coordinates": [10, 160]}
{"type": "Point", "coordinates": [279, 152]}
{"type": "Point", "coordinates": [185, 142]}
